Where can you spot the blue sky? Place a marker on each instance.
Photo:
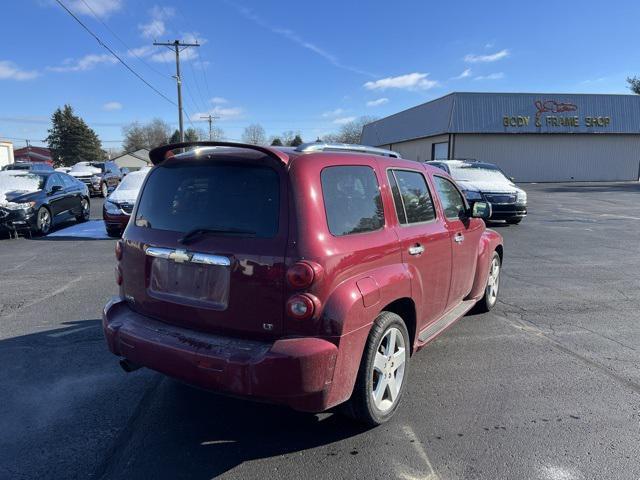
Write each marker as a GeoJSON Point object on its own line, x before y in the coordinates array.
{"type": "Point", "coordinates": [305, 66]}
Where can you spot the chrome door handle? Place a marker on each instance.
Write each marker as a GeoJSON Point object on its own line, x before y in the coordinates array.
{"type": "Point", "coordinates": [459, 238]}
{"type": "Point", "coordinates": [416, 249]}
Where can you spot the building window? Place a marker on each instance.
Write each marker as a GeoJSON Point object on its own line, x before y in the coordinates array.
{"type": "Point", "coordinates": [440, 151]}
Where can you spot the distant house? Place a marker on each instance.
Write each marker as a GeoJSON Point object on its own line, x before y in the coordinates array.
{"type": "Point", "coordinates": [33, 154]}
{"type": "Point", "coordinates": [133, 160]}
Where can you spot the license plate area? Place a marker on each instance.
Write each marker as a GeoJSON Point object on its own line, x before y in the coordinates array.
{"type": "Point", "coordinates": [192, 284]}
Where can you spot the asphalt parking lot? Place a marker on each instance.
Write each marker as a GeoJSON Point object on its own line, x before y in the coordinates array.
{"type": "Point", "coordinates": [547, 386]}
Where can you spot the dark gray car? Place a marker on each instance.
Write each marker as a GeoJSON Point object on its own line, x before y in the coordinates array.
{"type": "Point", "coordinates": [483, 181]}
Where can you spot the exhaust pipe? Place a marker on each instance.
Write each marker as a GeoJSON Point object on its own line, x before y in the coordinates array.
{"type": "Point", "coordinates": [128, 366]}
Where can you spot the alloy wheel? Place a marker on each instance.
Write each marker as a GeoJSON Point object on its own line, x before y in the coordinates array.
{"type": "Point", "coordinates": [105, 190]}
{"type": "Point", "coordinates": [85, 209]}
{"type": "Point", "coordinates": [388, 369]}
{"type": "Point", "coordinates": [493, 282]}
{"type": "Point", "coordinates": [44, 220]}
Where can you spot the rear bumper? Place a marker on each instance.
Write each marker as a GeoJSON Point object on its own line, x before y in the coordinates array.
{"type": "Point", "coordinates": [296, 372]}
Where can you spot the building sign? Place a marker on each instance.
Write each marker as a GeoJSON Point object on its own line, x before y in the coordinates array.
{"type": "Point", "coordinates": [550, 113]}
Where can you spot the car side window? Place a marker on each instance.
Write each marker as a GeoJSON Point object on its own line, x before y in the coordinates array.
{"type": "Point", "coordinates": [54, 180]}
{"type": "Point", "coordinates": [411, 197]}
{"type": "Point", "coordinates": [351, 199]}
{"type": "Point", "coordinates": [67, 181]}
{"type": "Point", "coordinates": [453, 203]}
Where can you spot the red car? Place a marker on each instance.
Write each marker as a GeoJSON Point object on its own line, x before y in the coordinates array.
{"type": "Point", "coordinates": [305, 277]}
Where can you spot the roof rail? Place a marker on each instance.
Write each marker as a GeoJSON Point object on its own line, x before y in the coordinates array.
{"type": "Point", "coordinates": [345, 147]}
{"type": "Point", "coordinates": [159, 154]}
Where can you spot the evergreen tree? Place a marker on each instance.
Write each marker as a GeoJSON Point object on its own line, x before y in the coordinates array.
{"type": "Point", "coordinates": [297, 140]}
{"type": "Point", "coordinates": [190, 135]}
{"type": "Point", "coordinates": [71, 140]}
{"type": "Point", "coordinates": [175, 138]}
{"type": "Point", "coordinates": [276, 142]}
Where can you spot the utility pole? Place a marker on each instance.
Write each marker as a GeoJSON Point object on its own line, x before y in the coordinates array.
{"type": "Point", "coordinates": [210, 119]}
{"type": "Point", "coordinates": [178, 46]}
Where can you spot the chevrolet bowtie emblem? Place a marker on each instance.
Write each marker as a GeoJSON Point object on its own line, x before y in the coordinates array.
{"type": "Point", "coordinates": [179, 256]}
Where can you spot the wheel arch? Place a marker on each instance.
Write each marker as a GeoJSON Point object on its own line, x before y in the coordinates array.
{"type": "Point", "coordinates": [490, 242]}
{"type": "Point", "coordinates": [405, 308]}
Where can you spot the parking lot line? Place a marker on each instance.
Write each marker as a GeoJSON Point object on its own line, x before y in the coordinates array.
{"type": "Point", "coordinates": [62, 333]}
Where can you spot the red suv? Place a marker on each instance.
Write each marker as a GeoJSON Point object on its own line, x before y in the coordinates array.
{"type": "Point", "coordinates": [305, 277]}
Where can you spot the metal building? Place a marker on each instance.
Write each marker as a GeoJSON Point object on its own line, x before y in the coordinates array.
{"type": "Point", "coordinates": [534, 137]}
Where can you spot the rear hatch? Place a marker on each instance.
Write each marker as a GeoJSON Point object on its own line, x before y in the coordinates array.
{"type": "Point", "coordinates": [205, 249]}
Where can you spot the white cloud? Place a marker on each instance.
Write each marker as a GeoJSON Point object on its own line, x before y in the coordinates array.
{"type": "Point", "coordinates": [10, 71]}
{"type": "Point", "coordinates": [343, 120]}
{"type": "Point", "coordinates": [491, 76]}
{"type": "Point", "coordinates": [88, 62]}
{"type": "Point", "coordinates": [219, 100]}
{"type": "Point", "coordinates": [334, 113]}
{"type": "Point", "coordinates": [223, 113]}
{"type": "Point", "coordinates": [156, 26]}
{"type": "Point", "coordinates": [142, 51]}
{"type": "Point", "coordinates": [112, 106]}
{"type": "Point", "coordinates": [494, 57]}
{"type": "Point", "coordinates": [101, 8]}
{"type": "Point", "coordinates": [378, 102]}
{"type": "Point", "coordinates": [465, 74]}
{"type": "Point", "coordinates": [295, 38]}
{"type": "Point", "coordinates": [410, 81]}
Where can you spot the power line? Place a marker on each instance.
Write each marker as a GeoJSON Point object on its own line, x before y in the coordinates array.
{"type": "Point", "coordinates": [129, 49]}
{"type": "Point", "coordinates": [102, 44]}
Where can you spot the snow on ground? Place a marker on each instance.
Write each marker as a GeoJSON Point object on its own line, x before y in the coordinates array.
{"type": "Point", "coordinates": [93, 230]}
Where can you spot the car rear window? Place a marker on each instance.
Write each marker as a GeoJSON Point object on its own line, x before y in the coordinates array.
{"type": "Point", "coordinates": [217, 196]}
{"type": "Point", "coordinates": [351, 200]}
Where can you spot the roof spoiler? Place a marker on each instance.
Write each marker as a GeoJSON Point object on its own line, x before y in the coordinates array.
{"type": "Point", "coordinates": [160, 154]}
{"type": "Point", "coordinates": [345, 147]}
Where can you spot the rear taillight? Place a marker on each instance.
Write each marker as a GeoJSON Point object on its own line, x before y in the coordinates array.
{"type": "Point", "coordinates": [118, 275]}
{"type": "Point", "coordinates": [300, 275]}
{"type": "Point", "coordinates": [300, 307]}
{"type": "Point", "coordinates": [119, 248]}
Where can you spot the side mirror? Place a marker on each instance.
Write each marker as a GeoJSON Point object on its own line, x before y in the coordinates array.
{"type": "Point", "coordinates": [56, 189]}
{"type": "Point", "coordinates": [513, 179]}
{"type": "Point", "coordinates": [481, 210]}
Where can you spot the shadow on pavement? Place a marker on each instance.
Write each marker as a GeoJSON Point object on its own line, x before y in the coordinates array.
{"type": "Point", "coordinates": [63, 395]}
{"type": "Point", "coordinates": [189, 433]}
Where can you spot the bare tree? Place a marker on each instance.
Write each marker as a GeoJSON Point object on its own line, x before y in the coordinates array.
{"type": "Point", "coordinates": [150, 135]}
{"type": "Point", "coordinates": [217, 134]}
{"type": "Point", "coordinates": [350, 132]}
{"type": "Point", "coordinates": [634, 84]}
{"type": "Point", "coordinates": [287, 137]}
{"type": "Point", "coordinates": [254, 134]}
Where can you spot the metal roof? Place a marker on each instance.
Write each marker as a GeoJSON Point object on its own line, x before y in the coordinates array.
{"type": "Point", "coordinates": [464, 112]}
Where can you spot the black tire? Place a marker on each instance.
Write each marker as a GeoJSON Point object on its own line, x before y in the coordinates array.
{"type": "Point", "coordinates": [85, 213]}
{"type": "Point", "coordinates": [514, 221]}
{"type": "Point", "coordinates": [361, 406]}
{"type": "Point", "coordinates": [488, 300]}
{"type": "Point", "coordinates": [114, 232]}
{"type": "Point", "coordinates": [43, 227]}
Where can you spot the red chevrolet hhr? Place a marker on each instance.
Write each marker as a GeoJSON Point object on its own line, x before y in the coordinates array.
{"type": "Point", "coordinates": [306, 277]}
